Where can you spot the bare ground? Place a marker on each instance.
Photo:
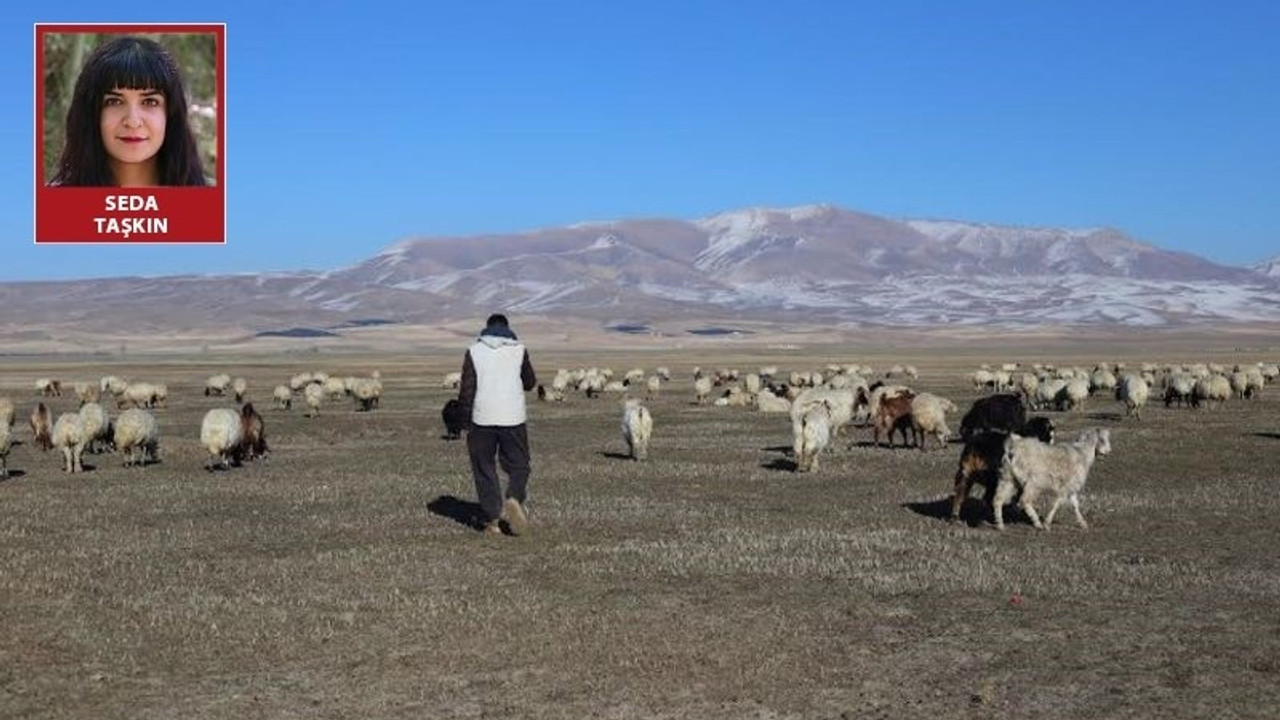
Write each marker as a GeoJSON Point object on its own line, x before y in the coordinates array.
{"type": "Point", "coordinates": [340, 578]}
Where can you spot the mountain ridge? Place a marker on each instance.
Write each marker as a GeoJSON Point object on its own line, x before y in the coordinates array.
{"type": "Point", "coordinates": [808, 264]}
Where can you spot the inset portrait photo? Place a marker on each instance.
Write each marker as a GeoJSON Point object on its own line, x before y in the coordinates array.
{"type": "Point", "coordinates": [130, 125]}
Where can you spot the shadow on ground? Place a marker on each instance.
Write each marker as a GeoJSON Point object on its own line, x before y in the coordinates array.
{"type": "Point", "coordinates": [463, 512]}
{"type": "Point", "coordinates": [1273, 436]}
{"type": "Point", "coordinates": [973, 513]}
{"type": "Point", "coordinates": [615, 455]}
{"type": "Point", "coordinates": [780, 465]}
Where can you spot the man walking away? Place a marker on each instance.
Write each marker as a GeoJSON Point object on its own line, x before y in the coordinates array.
{"type": "Point", "coordinates": [496, 374]}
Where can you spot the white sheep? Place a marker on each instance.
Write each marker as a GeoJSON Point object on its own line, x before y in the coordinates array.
{"type": "Point", "coordinates": [1133, 391]}
{"type": "Point", "coordinates": [217, 384]}
{"type": "Point", "coordinates": [452, 381]}
{"type": "Point", "coordinates": [138, 394]}
{"type": "Point", "coordinates": [653, 386]}
{"type": "Point", "coordinates": [87, 392]}
{"type": "Point", "coordinates": [137, 436]}
{"type": "Point", "coordinates": [314, 395]}
{"type": "Point", "coordinates": [1072, 396]}
{"type": "Point", "coordinates": [1036, 467]}
{"type": "Point", "coordinates": [301, 380]}
{"type": "Point", "coordinates": [282, 397]}
{"type": "Point", "coordinates": [929, 417]}
{"type": "Point", "coordinates": [239, 386]}
{"type": "Point", "coordinates": [767, 402]}
{"type": "Point", "coordinates": [701, 389]}
{"type": "Point", "coordinates": [336, 387]}
{"type": "Point", "coordinates": [95, 426]}
{"type": "Point", "coordinates": [812, 436]}
{"type": "Point", "coordinates": [367, 392]}
{"type": "Point", "coordinates": [47, 386]}
{"type": "Point", "coordinates": [840, 406]}
{"type": "Point", "coordinates": [1214, 389]}
{"type": "Point", "coordinates": [221, 433]}
{"type": "Point", "coordinates": [637, 428]}
{"type": "Point", "coordinates": [663, 373]}
{"type": "Point", "coordinates": [8, 414]}
{"type": "Point", "coordinates": [68, 436]}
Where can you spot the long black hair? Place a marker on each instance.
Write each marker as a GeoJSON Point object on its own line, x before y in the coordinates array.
{"type": "Point", "coordinates": [130, 63]}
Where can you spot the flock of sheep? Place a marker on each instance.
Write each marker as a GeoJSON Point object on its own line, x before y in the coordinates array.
{"type": "Point", "coordinates": [1005, 451]}
{"type": "Point", "coordinates": [1012, 455]}
{"type": "Point", "coordinates": [230, 436]}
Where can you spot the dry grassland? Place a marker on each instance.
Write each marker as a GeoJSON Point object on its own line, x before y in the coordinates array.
{"type": "Point", "coordinates": [337, 579]}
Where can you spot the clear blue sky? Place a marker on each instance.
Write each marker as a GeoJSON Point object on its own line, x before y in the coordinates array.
{"type": "Point", "coordinates": [354, 125]}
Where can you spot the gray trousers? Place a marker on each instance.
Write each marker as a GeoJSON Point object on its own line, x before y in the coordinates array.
{"type": "Point", "coordinates": [510, 446]}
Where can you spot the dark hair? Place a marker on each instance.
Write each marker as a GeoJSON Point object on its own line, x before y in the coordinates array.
{"type": "Point", "coordinates": [129, 63]}
{"type": "Point", "coordinates": [496, 319]}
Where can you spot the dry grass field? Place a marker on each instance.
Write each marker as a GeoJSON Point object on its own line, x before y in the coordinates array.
{"type": "Point", "coordinates": [338, 578]}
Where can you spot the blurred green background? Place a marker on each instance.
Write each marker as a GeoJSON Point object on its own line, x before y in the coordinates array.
{"type": "Point", "coordinates": [196, 53]}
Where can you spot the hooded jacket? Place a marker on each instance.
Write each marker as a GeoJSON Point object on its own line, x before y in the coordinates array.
{"type": "Point", "coordinates": [496, 373]}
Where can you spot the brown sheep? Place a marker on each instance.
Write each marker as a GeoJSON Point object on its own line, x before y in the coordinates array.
{"type": "Point", "coordinates": [42, 426]}
{"type": "Point", "coordinates": [253, 430]}
{"type": "Point", "coordinates": [893, 414]}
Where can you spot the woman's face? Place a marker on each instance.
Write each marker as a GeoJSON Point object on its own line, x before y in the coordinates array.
{"type": "Point", "coordinates": [133, 124]}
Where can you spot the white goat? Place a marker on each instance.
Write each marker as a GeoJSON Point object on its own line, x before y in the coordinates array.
{"type": "Point", "coordinates": [1036, 467]}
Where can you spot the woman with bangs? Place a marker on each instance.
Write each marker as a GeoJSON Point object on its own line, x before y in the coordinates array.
{"type": "Point", "coordinates": [127, 124]}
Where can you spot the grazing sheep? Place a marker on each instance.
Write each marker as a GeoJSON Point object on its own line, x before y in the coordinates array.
{"type": "Point", "coordinates": [637, 427]}
{"type": "Point", "coordinates": [653, 386]}
{"type": "Point", "coordinates": [367, 391]}
{"type": "Point", "coordinates": [95, 426]}
{"type": "Point", "coordinates": [1133, 391]}
{"type": "Point", "coordinates": [1047, 393]}
{"type": "Point", "coordinates": [68, 436]}
{"type": "Point", "coordinates": [314, 395]}
{"type": "Point", "coordinates": [7, 412]}
{"type": "Point", "coordinates": [113, 385]}
{"type": "Point", "coordinates": [221, 433]}
{"type": "Point", "coordinates": [301, 380]}
{"type": "Point", "coordinates": [980, 461]}
{"type": "Point", "coordinates": [87, 392]}
{"type": "Point", "coordinates": [47, 387]}
{"type": "Point", "coordinates": [929, 417]}
{"type": "Point", "coordinates": [615, 386]}
{"type": "Point", "coordinates": [1214, 389]}
{"type": "Point", "coordinates": [633, 377]}
{"type": "Point", "coordinates": [701, 389]}
{"type": "Point", "coordinates": [1256, 382]}
{"type": "Point", "coordinates": [217, 384]}
{"type": "Point", "coordinates": [138, 394]}
{"type": "Point", "coordinates": [452, 381]}
{"type": "Point", "coordinates": [253, 430]}
{"type": "Point", "coordinates": [455, 419]}
{"type": "Point", "coordinates": [282, 397]}
{"type": "Point", "coordinates": [239, 387]}
{"type": "Point", "coordinates": [663, 373]}
{"type": "Point", "coordinates": [1037, 468]}
{"type": "Point", "coordinates": [551, 395]}
{"type": "Point", "coordinates": [1072, 396]}
{"type": "Point", "coordinates": [42, 426]}
{"type": "Point", "coordinates": [1180, 388]}
{"type": "Point", "coordinates": [1002, 412]}
{"type": "Point", "coordinates": [137, 436]}
{"type": "Point", "coordinates": [337, 387]}
{"type": "Point", "coordinates": [813, 437]}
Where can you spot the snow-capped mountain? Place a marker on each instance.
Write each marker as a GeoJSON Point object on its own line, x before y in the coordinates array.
{"type": "Point", "coordinates": [1270, 268]}
{"type": "Point", "coordinates": [812, 264]}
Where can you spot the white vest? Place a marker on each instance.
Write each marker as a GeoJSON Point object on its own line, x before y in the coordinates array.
{"type": "Point", "coordinates": [499, 390]}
